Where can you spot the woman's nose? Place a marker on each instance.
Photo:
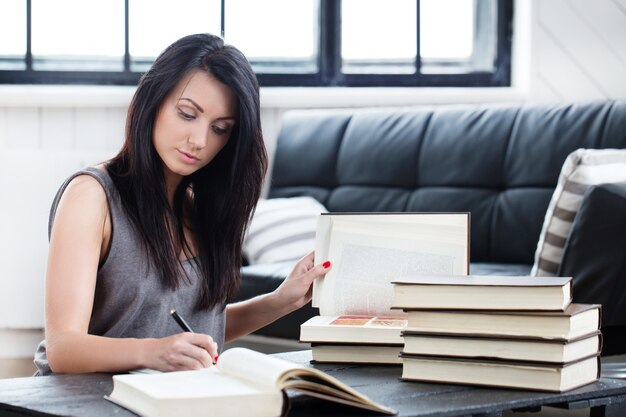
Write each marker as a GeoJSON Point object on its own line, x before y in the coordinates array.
{"type": "Point", "coordinates": [199, 138]}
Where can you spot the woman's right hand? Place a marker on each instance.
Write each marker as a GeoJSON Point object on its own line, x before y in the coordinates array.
{"type": "Point", "coordinates": [182, 351]}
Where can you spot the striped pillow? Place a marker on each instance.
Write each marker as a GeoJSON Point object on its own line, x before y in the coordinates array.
{"type": "Point", "coordinates": [282, 229]}
{"type": "Point", "coordinates": [581, 169]}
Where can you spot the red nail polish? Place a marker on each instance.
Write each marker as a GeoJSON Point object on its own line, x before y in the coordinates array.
{"type": "Point", "coordinates": [326, 264]}
{"type": "Point", "coordinates": [215, 359]}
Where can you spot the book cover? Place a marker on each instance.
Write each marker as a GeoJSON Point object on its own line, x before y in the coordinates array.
{"type": "Point", "coordinates": [482, 292]}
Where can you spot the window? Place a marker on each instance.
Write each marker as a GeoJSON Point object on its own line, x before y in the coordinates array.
{"type": "Point", "coordinates": [289, 43]}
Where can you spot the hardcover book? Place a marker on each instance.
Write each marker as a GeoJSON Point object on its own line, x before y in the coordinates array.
{"type": "Point", "coordinates": [557, 351]}
{"type": "Point", "coordinates": [351, 353]}
{"type": "Point", "coordinates": [353, 329]}
{"type": "Point", "coordinates": [508, 374]}
{"type": "Point", "coordinates": [577, 320]}
{"type": "Point", "coordinates": [486, 292]}
{"type": "Point", "coordinates": [243, 383]}
{"type": "Point", "coordinates": [370, 250]}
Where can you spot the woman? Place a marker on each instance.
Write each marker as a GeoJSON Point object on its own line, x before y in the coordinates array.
{"type": "Point", "coordinates": [160, 226]}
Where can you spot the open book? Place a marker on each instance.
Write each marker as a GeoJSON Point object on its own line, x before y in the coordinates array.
{"type": "Point", "coordinates": [370, 250]}
{"type": "Point", "coordinates": [243, 383]}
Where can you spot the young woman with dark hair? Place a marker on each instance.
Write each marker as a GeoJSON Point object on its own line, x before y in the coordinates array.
{"type": "Point", "coordinates": [160, 226]}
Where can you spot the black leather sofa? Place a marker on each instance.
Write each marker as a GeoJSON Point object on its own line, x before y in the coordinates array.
{"type": "Point", "coordinates": [499, 162]}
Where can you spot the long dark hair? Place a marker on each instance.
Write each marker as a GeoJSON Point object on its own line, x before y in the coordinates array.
{"type": "Point", "coordinates": [225, 191]}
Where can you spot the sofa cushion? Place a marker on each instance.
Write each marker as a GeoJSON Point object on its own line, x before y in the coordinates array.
{"type": "Point", "coordinates": [596, 252]}
{"type": "Point", "coordinates": [282, 229]}
{"type": "Point", "coordinates": [581, 169]}
{"type": "Point", "coordinates": [480, 268]}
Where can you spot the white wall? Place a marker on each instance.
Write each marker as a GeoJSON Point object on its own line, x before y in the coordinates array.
{"type": "Point", "coordinates": [578, 49]}
{"type": "Point", "coordinates": [564, 50]}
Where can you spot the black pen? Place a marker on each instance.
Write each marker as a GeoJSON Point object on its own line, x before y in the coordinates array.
{"type": "Point", "coordinates": [182, 323]}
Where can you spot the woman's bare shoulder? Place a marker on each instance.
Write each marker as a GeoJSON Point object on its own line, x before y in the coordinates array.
{"type": "Point", "coordinates": [84, 196]}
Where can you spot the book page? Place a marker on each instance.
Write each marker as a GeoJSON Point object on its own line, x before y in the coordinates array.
{"type": "Point", "coordinates": [322, 241]}
{"type": "Point", "coordinates": [204, 383]}
{"type": "Point", "coordinates": [254, 366]}
{"type": "Point", "coordinates": [370, 251]}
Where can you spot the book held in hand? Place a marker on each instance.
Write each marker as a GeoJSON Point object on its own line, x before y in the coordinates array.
{"type": "Point", "coordinates": [577, 320]}
{"type": "Point", "coordinates": [557, 351]}
{"type": "Point", "coordinates": [508, 374]}
{"type": "Point", "coordinates": [353, 329]}
{"type": "Point", "coordinates": [486, 292]}
{"type": "Point", "coordinates": [368, 251]}
{"type": "Point", "coordinates": [243, 383]}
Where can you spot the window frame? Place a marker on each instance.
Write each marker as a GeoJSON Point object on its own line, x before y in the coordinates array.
{"type": "Point", "coordinates": [329, 61]}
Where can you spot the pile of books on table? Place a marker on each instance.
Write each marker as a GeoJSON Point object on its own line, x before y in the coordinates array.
{"type": "Point", "coordinates": [515, 332]}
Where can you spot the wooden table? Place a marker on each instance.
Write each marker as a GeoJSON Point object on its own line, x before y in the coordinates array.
{"type": "Point", "coordinates": [83, 395]}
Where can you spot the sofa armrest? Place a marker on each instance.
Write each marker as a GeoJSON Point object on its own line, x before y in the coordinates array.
{"type": "Point", "coordinates": [595, 256]}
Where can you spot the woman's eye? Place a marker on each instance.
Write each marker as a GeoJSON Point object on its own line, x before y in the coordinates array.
{"type": "Point", "coordinates": [220, 130]}
{"type": "Point", "coordinates": [186, 116]}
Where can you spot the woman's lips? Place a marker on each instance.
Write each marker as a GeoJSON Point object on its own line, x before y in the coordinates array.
{"type": "Point", "coordinates": [188, 158]}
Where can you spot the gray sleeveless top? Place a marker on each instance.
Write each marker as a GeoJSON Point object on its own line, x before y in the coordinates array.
{"type": "Point", "coordinates": [129, 299]}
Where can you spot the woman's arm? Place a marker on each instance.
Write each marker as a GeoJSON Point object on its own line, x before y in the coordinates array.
{"type": "Point", "coordinates": [295, 291]}
{"type": "Point", "coordinates": [79, 238]}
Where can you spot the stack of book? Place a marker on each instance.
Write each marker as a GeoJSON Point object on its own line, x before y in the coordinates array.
{"type": "Point", "coordinates": [354, 338]}
{"type": "Point", "coordinates": [516, 332]}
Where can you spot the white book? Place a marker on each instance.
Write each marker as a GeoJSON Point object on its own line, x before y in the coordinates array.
{"type": "Point", "coordinates": [366, 354]}
{"type": "Point", "coordinates": [503, 347]}
{"type": "Point", "coordinates": [482, 292]}
{"type": "Point", "coordinates": [353, 329]}
{"type": "Point", "coordinates": [511, 374]}
{"type": "Point", "coordinates": [243, 383]}
{"type": "Point", "coordinates": [370, 250]}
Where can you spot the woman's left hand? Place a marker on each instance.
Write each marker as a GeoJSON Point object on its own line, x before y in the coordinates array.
{"type": "Point", "coordinates": [297, 289]}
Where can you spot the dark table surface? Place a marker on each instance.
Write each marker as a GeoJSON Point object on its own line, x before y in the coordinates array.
{"type": "Point", "coordinates": [83, 395]}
